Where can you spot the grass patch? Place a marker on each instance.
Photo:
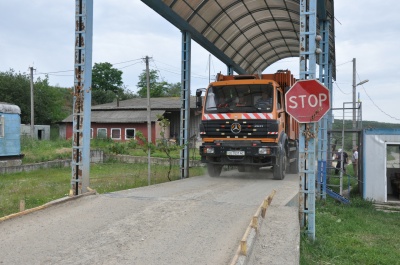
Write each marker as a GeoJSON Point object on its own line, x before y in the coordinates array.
{"type": "Point", "coordinates": [39, 151]}
{"type": "Point", "coordinates": [41, 186]}
{"type": "Point", "coordinates": [352, 234]}
{"type": "Point", "coordinates": [348, 179]}
{"type": "Point", "coordinates": [45, 150]}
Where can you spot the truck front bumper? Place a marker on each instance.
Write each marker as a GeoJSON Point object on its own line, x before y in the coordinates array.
{"type": "Point", "coordinates": [255, 154]}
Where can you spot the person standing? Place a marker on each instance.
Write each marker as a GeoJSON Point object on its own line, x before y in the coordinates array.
{"type": "Point", "coordinates": [341, 157]}
{"type": "Point", "coordinates": [354, 161]}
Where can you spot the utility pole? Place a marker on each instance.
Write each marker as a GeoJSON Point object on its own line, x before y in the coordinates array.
{"type": "Point", "coordinates": [354, 142]}
{"type": "Point", "coordinates": [148, 120]}
{"type": "Point", "coordinates": [32, 106]}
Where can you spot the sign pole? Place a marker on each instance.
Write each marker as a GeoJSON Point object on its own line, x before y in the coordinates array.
{"type": "Point", "coordinates": [308, 32]}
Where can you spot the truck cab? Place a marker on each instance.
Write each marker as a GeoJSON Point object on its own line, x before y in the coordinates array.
{"type": "Point", "coordinates": [244, 123]}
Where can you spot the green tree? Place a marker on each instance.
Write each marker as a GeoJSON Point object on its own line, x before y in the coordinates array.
{"type": "Point", "coordinates": [173, 90]}
{"type": "Point", "coordinates": [15, 89]}
{"type": "Point", "coordinates": [106, 83]}
{"type": "Point", "coordinates": [157, 88]}
{"type": "Point", "coordinates": [51, 103]}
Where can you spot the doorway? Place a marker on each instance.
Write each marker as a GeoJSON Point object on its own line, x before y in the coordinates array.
{"type": "Point", "coordinates": [392, 172]}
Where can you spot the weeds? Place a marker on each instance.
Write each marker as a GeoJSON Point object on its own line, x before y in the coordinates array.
{"type": "Point", "coordinates": [352, 234]}
{"type": "Point", "coordinates": [39, 151]}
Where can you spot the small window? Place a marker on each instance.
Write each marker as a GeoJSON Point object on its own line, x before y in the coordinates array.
{"type": "Point", "coordinates": [116, 134]}
{"type": "Point", "coordinates": [102, 133]}
{"type": "Point", "coordinates": [129, 133]}
{"type": "Point", "coordinates": [279, 100]}
{"type": "Point", "coordinates": [91, 133]}
{"type": "Point", "coordinates": [1, 126]}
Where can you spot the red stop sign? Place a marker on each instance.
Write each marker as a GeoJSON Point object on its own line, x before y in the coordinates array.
{"type": "Point", "coordinates": [307, 101]}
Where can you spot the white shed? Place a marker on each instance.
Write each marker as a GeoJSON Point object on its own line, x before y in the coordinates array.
{"type": "Point", "coordinates": [381, 164]}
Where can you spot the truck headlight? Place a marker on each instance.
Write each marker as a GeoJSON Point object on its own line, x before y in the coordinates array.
{"type": "Point", "coordinates": [209, 150]}
{"type": "Point", "coordinates": [264, 151]}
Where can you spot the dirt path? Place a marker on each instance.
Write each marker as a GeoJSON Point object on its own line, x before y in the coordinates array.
{"type": "Point", "coordinates": [198, 220]}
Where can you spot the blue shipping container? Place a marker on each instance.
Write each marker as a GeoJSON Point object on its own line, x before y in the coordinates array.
{"type": "Point", "coordinates": [10, 130]}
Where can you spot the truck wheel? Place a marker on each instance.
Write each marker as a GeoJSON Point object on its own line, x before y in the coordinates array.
{"type": "Point", "coordinates": [294, 166]}
{"type": "Point", "coordinates": [214, 170]}
{"type": "Point", "coordinates": [280, 168]}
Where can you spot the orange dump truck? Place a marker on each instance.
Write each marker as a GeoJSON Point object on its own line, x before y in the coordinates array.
{"type": "Point", "coordinates": [244, 124]}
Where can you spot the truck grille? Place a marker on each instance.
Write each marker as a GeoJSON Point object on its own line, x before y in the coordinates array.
{"type": "Point", "coordinates": [239, 128]}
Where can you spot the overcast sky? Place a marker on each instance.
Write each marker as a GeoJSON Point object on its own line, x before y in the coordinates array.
{"type": "Point", "coordinates": [40, 33]}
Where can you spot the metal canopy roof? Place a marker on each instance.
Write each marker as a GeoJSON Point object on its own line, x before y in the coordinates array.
{"type": "Point", "coordinates": [247, 35]}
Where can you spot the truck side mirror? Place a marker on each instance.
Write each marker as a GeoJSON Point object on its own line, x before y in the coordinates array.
{"type": "Point", "coordinates": [199, 99]}
{"type": "Point", "coordinates": [199, 91]}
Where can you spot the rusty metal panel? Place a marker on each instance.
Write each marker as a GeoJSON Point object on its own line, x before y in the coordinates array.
{"type": "Point", "coordinates": [82, 96]}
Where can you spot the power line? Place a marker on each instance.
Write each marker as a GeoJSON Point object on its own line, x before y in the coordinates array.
{"type": "Point", "coordinates": [341, 89]}
{"type": "Point", "coordinates": [162, 78]}
{"type": "Point", "coordinates": [128, 61]}
{"type": "Point", "coordinates": [52, 73]}
{"type": "Point", "coordinates": [344, 63]}
{"type": "Point", "coordinates": [64, 71]}
{"type": "Point", "coordinates": [373, 102]}
{"type": "Point", "coordinates": [126, 66]}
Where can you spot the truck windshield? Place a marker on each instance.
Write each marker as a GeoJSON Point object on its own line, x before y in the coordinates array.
{"type": "Point", "coordinates": [240, 98]}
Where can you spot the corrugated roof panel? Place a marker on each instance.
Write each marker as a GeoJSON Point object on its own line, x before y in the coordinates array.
{"type": "Point", "coordinates": [254, 5]}
{"type": "Point", "coordinates": [120, 116]}
{"type": "Point", "coordinates": [234, 9]}
{"type": "Point", "coordinates": [230, 34]}
{"type": "Point", "coordinates": [232, 30]}
{"type": "Point", "coordinates": [239, 41]}
{"type": "Point", "coordinates": [247, 49]}
{"type": "Point", "coordinates": [244, 22]}
{"type": "Point", "coordinates": [262, 15]}
{"type": "Point", "coordinates": [258, 40]}
{"type": "Point", "coordinates": [211, 34]}
{"type": "Point", "coordinates": [221, 43]}
{"type": "Point", "coordinates": [199, 23]}
{"type": "Point", "coordinates": [279, 14]}
{"type": "Point", "coordinates": [229, 51]}
{"type": "Point", "coordinates": [285, 26]}
{"type": "Point", "coordinates": [221, 23]}
{"type": "Point", "coordinates": [183, 9]}
{"type": "Point", "coordinates": [168, 2]}
{"type": "Point", "coordinates": [209, 10]}
{"type": "Point", "coordinates": [239, 57]}
{"type": "Point", "coordinates": [141, 103]}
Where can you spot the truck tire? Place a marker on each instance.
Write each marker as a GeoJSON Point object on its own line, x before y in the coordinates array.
{"type": "Point", "coordinates": [280, 168]}
{"type": "Point", "coordinates": [293, 167]}
{"type": "Point", "coordinates": [214, 170]}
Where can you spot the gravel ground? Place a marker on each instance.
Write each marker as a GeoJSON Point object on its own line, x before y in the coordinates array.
{"type": "Point", "coordinates": [199, 220]}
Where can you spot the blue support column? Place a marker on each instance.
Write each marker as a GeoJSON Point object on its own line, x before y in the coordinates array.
{"type": "Point", "coordinates": [229, 70]}
{"type": "Point", "coordinates": [82, 96]}
{"type": "Point", "coordinates": [325, 78]}
{"type": "Point", "coordinates": [308, 62]}
{"type": "Point", "coordinates": [185, 107]}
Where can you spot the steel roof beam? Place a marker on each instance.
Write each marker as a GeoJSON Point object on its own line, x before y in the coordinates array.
{"type": "Point", "coordinates": [166, 12]}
